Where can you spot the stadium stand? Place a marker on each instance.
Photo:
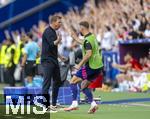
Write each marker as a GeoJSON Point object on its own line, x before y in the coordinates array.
{"type": "Point", "coordinates": [119, 30]}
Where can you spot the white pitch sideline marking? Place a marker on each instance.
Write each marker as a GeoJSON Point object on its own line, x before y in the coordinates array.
{"type": "Point", "coordinates": [18, 117]}
{"type": "Point", "coordinates": [7, 115]}
{"type": "Point", "coordinates": [138, 104]}
{"type": "Point", "coordinates": [131, 104]}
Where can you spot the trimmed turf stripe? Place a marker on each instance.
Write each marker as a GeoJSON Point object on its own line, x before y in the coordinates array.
{"type": "Point", "coordinates": [126, 101]}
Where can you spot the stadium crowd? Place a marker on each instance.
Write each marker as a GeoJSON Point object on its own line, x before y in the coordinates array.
{"type": "Point", "coordinates": [111, 20]}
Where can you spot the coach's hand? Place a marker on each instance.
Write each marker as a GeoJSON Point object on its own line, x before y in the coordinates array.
{"type": "Point", "coordinates": [62, 58]}
{"type": "Point", "coordinates": [59, 38]}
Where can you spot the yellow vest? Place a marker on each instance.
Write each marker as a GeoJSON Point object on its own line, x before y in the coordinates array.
{"type": "Point", "coordinates": [3, 54]}
{"type": "Point", "coordinates": [0, 57]}
{"type": "Point", "coordinates": [9, 60]}
{"type": "Point", "coordinates": [18, 53]}
{"type": "Point", "coordinates": [38, 60]}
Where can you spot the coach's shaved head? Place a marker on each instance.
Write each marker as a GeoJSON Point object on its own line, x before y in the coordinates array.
{"type": "Point", "coordinates": [55, 22]}
{"type": "Point", "coordinates": [54, 18]}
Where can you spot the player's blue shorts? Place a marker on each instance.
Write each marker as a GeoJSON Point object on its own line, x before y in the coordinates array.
{"type": "Point", "coordinates": [86, 73]}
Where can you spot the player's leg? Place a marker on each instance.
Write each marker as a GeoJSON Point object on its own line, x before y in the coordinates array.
{"type": "Point", "coordinates": [89, 76]}
{"type": "Point", "coordinates": [86, 90]}
{"type": "Point", "coordinates": [82, 75]}
{"type": "Point", "coordinates": [88, 93]}
{"type": "Point", "coordinates": [74, 88]}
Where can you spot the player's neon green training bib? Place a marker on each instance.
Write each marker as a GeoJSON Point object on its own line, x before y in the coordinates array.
{"type": "Point", "coordinates": [95, 60]}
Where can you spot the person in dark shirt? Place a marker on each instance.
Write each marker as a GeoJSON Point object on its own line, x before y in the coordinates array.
{"type": "Point", "coordinates": [49, 49]}
{"type": "Point", "coordinates": [49, 61]}
{"type": "Point", "coordinates": [132, 34]}
{"type": "Point", "coordinates": [143, 24]}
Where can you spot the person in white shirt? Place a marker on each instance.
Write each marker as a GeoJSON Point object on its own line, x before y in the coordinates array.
{"type": "Point", "coordinates": [107, 40]}
{"type": "Point", "coordinates": [147, 31]}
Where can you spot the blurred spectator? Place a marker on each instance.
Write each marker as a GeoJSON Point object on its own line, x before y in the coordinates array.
{"type": "Point", "coordinates": [134, 76]}
{"type": "Point", "coordinates": [108, 39]}
{"type": "Point", "coordinates": [122, 34]}
{"type": "Point", "coordinates": [147, 31]}
{"type": "Point", "coordinates": [143, 24]}
{"type": "Point", "coordinates": [136, 23]}
{"type": "Point", "coordinates": [131, 65]}
{"type": "Point", "coordinates": [132, 33]}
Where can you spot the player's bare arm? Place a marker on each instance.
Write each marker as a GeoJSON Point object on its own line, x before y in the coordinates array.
{"type": "Point", "coordinates": [85, 59]}
{"type": "Point", "coordinates": [75, 37]}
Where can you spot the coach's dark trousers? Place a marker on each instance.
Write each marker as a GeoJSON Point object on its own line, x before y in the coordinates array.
{"type": "Point", "coordinates": [51, 71]}
{"type": "Point", "coordinates": [10, 75]}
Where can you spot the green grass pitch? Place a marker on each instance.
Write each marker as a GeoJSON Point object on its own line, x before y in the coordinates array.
{"type": "Point", "coordinates": [106, 111]}
{"type": "Point", "coordinates": [139, 110]}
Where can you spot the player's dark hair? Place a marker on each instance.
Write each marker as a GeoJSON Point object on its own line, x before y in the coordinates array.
{"type": "Point", "coordinates": [84, 24]}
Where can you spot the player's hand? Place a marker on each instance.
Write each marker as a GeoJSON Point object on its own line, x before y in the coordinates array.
{"type": "Point", "coordinates": [73, 34]}
{"type": "Point", "coordinates": [76, 67]}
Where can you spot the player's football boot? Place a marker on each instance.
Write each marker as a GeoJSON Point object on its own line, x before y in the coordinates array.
{"type": "Point", "coordinates": [93, 109]}
{"type": "Point", "coordinates": [71, 108]}
{"type": "Point", "coordinates": [51, 109]}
